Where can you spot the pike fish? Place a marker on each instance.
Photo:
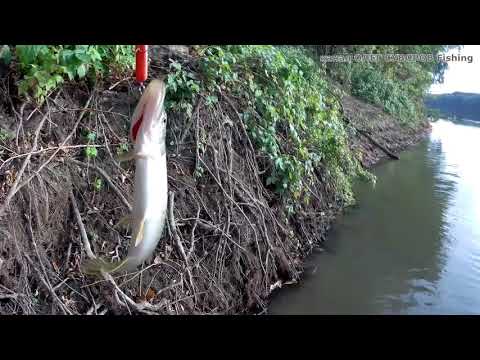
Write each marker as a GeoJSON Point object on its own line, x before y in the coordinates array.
{"type": "Point", "coordinates": [147, 220]}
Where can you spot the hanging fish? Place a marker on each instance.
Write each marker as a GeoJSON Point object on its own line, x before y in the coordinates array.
{"type": "Point", "coordinates": [147, 220]}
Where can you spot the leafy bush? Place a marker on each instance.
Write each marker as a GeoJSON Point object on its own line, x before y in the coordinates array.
{"type": "Point", "coordinates": [44, 67]}
{"type": "Point", "coordinates": [398, 86]}
{"type": "Point", "coordinates": [98, 184]}
{"type": "Point", "coordinates": [369, 84]}
{"type": "Point", "coordinates": [122, 148]}
{"type": "Point", "coordinates": [182, 88]}
{"type": "Point", "coordinates": [289, 110]}
{"type": "Point", "coordinates": [4, 135]}
{"type": "Point", "coordinates": [290, 114]}
{"type": "Point", "coordinates": [91, 151]}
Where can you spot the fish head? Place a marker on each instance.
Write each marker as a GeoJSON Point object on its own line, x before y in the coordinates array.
{"type": "Point", "coordinates": [150, 119]}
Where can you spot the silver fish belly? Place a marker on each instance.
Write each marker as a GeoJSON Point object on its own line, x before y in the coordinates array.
{"type": "Point", "coordinates": [149, 211]}
{"type": "Point", "coordinates": [150, 207]}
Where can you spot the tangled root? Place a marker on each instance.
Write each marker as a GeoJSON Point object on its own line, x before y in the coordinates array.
{"type": "Point", "coordinates": [228, 240]}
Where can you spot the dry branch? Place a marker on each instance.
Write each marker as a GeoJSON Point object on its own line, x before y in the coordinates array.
{"type": "Point", "coordinates": [15, 187]}
{"type": "Point", "coordinates": [143, 308]}
{"type": "Point", "coordinates": [83, 232]}
{"type": "Point", "coordinates": [374, 142]}
{"type": "Point", "coordinates": [61, 145]}
{"type": "Point", "coordinates": [178, 241]}
{"type": "Point", "coordinates": [107, 178]}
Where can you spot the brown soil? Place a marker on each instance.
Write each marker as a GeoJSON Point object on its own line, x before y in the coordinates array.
{"type": "Point", "coordinates": [229, 242]}
{"type": "Point", "coordinates": [385, 130]}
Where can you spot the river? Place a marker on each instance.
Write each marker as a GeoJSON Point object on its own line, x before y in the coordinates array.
{"type": "Point", "coordinates": [411, 245]}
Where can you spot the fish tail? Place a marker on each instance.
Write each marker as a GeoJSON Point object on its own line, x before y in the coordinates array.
{"type": "Point", "coordinates": [95, 267]}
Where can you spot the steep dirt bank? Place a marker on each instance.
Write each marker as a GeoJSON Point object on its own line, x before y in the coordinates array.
{"type": "Point", "coordinates": [382, 128]}
{"type": "Point", "coordinates": [229, 241]}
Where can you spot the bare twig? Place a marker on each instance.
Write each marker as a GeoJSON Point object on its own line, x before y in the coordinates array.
{"type": "Point", "coordinates": [107, 179]}
{"type": "Point", "coordinates": [11, 294]}
{"type": "Point", "coordinates": [15, 187]}
{"type": "Point", "coordinates": [83, 232]}
{"type": "Point", "coordinates": [242, 125]}
{"type": "Point", "coordinates": [92, 110]}
{"type": "Point", "coordinates": [49, 149]}
{"type": "Point", "coordinates": [192, 236]}
{"type": "Point", "coordinates": [59, 285]}
{"type": "Point", "coordinates": [115, 162]}
{"type": "Point", "coordinates": [94, 308]}
{"type": "Point", "coordinates": [173, 229]}
{"type": "Point", "coordinates": [63, 143]}
{"type": "Point", "coordinates": [144, 307]}
{"type": "Point", "coordinates": [8, 296]}
{"type": "Point", "coordinates": [190, 122]}
{"type": "Point", "coordinates": [118, 82]}
{"type": "Point", "coordinates": [48, 286]}
{"type": "Point", "coordinates": [104, 119]}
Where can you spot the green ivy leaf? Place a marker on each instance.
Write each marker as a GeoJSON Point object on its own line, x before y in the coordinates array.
{"type": "Point", "coordinates": [81, 71]}
{"type": "Point", "coordinates": [71, 74]}
{"type": "Point", "coordinates": [58, 79]}
{"type": "Point", "coordinates": [91, 136]}
{"type": "Point", "coordinates": [98, 184]}
{"type": "Point", "coordinates": [91, 152]}
{"type": "Point", "coordinates": [176, 65]}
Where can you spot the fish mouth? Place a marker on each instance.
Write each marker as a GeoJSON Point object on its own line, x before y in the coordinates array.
{"type": "Point", "coordinates": [151, 104]}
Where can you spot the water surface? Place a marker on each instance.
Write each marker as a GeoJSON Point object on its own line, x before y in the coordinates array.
{"type": "Point", "coordinates": [412, 245]}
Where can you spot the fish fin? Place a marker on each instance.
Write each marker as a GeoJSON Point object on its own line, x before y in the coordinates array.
{"type": "Point", "coordinates": [139, 234]}
{"type": "Point", "coordinates": [124, 221]}
{"type": "Point", "coordinates": [95, 266]}
{"type": "Point", "coordinates": [130, 155]}
{"type": "Point", "coordinates": [133, 155]}
{"type": "Point", "coordinates": [144, 156]}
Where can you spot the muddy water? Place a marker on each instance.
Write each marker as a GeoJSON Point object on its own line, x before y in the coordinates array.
{"type": "Point", "coordinates": [412, 245]}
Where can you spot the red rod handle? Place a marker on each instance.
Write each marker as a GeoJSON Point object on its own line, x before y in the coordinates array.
{"type": "Point", "coordinates": [141, 63]}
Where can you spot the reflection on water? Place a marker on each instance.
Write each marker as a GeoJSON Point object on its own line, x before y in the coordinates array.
{"type": "Point", "coordinates": [413, 244]}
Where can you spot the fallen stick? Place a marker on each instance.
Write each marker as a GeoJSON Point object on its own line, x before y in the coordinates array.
{"type": "Point", "coordinates": [83, 232]}
{"type": "Point", "coordinates": [107, 179]}
{"type": "Point", "coordinates": [365, 133]}
{"type": "Point", "coordinates": [385, 150]}
{"type": "Point", "coordinates": [92, 110]}
{"type": "Point", "coordinates": [173, 229]}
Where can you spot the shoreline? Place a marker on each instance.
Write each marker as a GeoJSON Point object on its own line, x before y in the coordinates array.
{"type": "Point", "coordinates": [402, 140]}
{"type": "Point", "coordinates": [242, 245]}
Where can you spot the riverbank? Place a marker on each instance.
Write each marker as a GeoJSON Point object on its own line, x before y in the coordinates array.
{"type": "Point", "coordinates": [230, 241]}
{"type": "Point", "coordinates": [383, 128]}
{"type": "Point", "coordinates": [369, 250]}
{"type": "Point", "coordinates": [385, 131]}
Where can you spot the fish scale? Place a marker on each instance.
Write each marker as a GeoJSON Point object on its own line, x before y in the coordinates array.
{"type": "Point", "coordinates": [151, 185]}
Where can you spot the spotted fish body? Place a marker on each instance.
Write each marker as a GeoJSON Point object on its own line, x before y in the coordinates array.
{"type": "Point", "coordinates": [148, 215]}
